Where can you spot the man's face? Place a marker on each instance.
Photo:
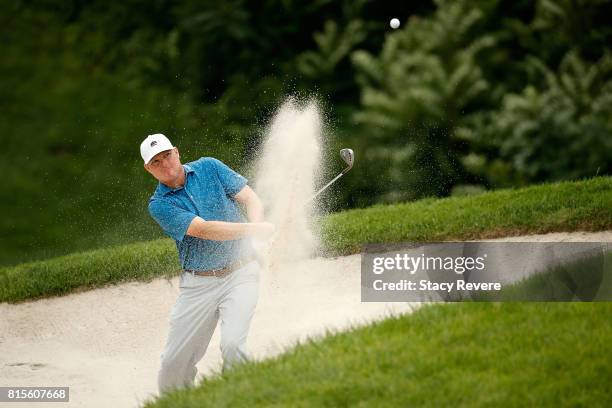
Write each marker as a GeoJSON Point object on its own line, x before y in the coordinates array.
{"type": "Point", "coordinates": [165, 166]}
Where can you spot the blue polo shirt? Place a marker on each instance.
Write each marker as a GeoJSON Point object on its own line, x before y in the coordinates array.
{"type": "Point", "coordinates": [208, 193]}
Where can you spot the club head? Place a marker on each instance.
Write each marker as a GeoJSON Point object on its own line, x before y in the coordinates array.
{"type": "Point", "coordinates": [349, 157]}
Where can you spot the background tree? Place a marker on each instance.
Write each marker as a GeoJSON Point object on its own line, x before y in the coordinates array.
{"type": "Point", "coordinates": [559, 130]}
{"type": "Point", "coordinates": [424, 82]}
{"type": "Point", "coordinates": [464, 96]}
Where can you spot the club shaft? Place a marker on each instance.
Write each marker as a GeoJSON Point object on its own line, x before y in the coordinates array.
{"type": "Point", "coordinates": [325, 186]}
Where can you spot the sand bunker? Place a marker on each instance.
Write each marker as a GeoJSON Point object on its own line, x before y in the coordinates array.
{"type": "Point", "coordinates": [105, 344]}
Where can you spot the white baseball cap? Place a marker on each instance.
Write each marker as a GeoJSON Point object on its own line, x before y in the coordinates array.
{"type": "Point", "coordinates": [154, 144]}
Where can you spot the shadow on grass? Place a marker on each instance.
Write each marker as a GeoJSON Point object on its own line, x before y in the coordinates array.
{"type": "Point", "coordinates": [588, 279]}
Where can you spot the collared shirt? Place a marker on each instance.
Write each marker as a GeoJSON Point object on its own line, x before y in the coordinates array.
{"type": "Point", "coordinates": [208, 192]}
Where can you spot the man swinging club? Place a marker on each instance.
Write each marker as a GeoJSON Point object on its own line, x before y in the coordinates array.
{"type": "Point", "coordinates": [197, 205]}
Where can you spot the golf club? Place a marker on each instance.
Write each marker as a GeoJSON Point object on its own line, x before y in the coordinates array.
{"type": "Point", "coordinates": [349, 157]}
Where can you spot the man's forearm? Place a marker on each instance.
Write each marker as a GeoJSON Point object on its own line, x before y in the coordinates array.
{"type": "Point", "coordinates": [224, 231]}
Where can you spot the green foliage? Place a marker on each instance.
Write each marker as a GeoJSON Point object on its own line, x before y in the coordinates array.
{"type": "Point", "coordinates": [579, 24]}
{"type": "Point", "coordinates": [559, 130]}
{"type": "Point", "coordinates": [81, 80]}
{"type": "Point", "coordinates": [334, 45]}
{"type": "Point", "coordinates": [415, 93]}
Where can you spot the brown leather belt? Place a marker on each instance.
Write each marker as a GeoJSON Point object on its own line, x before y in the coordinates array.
{"type": "Point", "coordinates": [222, 272]}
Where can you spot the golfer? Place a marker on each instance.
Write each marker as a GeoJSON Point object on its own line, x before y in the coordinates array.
{"type": "Point", "coordinates": [197, 205]}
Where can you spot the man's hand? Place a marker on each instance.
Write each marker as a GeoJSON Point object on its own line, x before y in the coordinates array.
{"type": "Point", "coordinates": [263, 248]}
{"type": "Point", "coordinates": [264, 230]}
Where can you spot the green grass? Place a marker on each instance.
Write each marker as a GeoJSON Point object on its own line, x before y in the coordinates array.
{"type": "Point", "coordinates": [87, 270]}
{"type": "Point", "coordinates": [73, 178]}
{"type": "Point", "coordinates": [80, 184]}
{"type": "Point", "coordinates": [568, 206]}
{"type": "Point", "coordinates": [464, 354]}
{"type": "Point", "coordinates": [469, 354]}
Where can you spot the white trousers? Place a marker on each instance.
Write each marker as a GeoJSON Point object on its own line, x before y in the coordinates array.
{"type": "Point", "coordinates": [202, 301]}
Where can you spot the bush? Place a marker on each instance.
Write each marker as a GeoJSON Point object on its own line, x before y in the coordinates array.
{"type": "Point", "coordinates": [560, 130]}
{"type": "Point", "coordinates": [417, 91]}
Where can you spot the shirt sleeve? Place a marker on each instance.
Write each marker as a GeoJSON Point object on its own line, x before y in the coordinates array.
{"type": "Point", "coordinates": [173, 219]}
{"type": "Point", "coordinates": [232, 182]}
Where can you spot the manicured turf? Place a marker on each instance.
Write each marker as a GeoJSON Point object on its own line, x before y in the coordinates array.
{"type": "Point", "coordinates": [467, 354]}
{"type": "Point", "coordinates": [462, 354]}
{"type": "Point", "coordinates": [86, 270]}
{"type": "Point", "coordinates": [568, 206]}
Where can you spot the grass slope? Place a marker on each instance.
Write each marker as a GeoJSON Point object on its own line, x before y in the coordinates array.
{"type": "Point", "coordinates": [469, 354]}
{"type": "Point", "coordinates": [465, 354]}
{"type": "Point", "coordinates": [567, 206]}
{"type": "Point", "coordinates": [72, 174]}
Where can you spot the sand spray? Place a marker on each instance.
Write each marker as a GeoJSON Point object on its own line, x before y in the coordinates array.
{"type": "Point", "coordinates": [287, 171]}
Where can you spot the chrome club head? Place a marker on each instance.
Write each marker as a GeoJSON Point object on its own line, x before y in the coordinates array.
{"type": "Point", "coordinates": [349, 157]}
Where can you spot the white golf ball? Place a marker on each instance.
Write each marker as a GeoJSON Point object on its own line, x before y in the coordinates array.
{"type": "Point", "coordinates": [394, 23]}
